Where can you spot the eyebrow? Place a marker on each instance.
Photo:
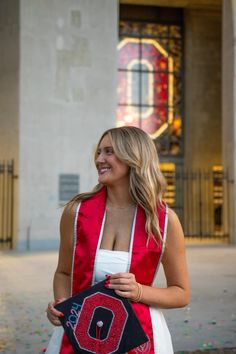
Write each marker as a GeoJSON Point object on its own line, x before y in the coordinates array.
{"type": "Point", "coordinates": [106, 147]}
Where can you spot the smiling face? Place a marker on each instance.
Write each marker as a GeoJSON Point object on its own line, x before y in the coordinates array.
{"type": "Point", "coordinates": [111, 171]}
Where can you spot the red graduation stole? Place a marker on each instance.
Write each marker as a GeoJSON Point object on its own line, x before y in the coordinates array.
{"type": "Point", "coordinates": [145, 258]}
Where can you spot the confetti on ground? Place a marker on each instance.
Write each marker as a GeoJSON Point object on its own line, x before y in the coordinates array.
{"type": "Point", "coordinates": [212, 351]}
{"type": "Point", "coordinates": [26, 331]}
{"type": "Point", "coordinates": [209, 321]}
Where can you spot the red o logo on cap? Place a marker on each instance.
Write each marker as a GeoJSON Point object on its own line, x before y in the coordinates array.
{"type": "Point", "coordinates": [112, 341]}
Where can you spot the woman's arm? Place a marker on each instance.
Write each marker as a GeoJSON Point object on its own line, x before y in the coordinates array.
{"type": "Point", "coordinates": [62, 276]}
{"type": "Point", "coordinates": [177, 293]}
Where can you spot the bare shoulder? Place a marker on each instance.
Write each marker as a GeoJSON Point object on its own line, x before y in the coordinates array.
{"type": "Point", "coordinates": [175, 242]}
{"type": "Point", "coordinates": [69, 212]}
{"type": "Point", "coordinates": [67, 220]}
{"type": "Point", "coordinates": [174, 228]}
{"type": "Point", "coordinates": [172, 217]}
{"type": "Point", "coordinates": [67, 238]}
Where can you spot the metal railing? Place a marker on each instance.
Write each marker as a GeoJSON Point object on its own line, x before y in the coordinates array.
{"type": "Point", "coordinates": [201, 200]}
{"type": "Point", "coordinates": [6, 204]}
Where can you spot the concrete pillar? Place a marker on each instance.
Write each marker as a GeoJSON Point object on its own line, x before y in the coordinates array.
{"type": "Point", "coordinates": [68, 85]}
{"type": "Point", "coordinates": [229, 107]}
{"type": "Point", "coordinates": [9, 78]}
{"type": "Point", "coordinates": [202, 138]}
{"type": "Point", "coordinates": [9, 89]}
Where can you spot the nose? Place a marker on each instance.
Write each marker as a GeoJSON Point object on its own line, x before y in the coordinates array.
{"type": "Point", "coordinates": [100, 158]}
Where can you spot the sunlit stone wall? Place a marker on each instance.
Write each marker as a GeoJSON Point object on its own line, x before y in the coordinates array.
{"type": "Point", "coordinates": [67, 98]}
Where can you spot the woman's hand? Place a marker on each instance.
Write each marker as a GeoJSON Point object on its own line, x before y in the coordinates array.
{"type": "Point", "coordinates": [124, 284]}
{"type": "Point", "coordinates": [53, 314]}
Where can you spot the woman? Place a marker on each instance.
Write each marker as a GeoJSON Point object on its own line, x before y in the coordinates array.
{"type": "Point", "coordinates": [120, 230]}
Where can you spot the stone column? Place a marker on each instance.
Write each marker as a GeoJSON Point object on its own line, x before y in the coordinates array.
{"type": "Point", "coordinates": [229, 109]}
{"type": "Point", "coordinates": [68, 86]}
{"type": "Point", "coordinates": [202, 133]}
{"type": "Point", "coordinates": [9, 91]}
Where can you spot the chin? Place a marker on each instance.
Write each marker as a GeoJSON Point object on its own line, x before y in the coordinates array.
{"type": "Point", "coordinates": [102, 180]}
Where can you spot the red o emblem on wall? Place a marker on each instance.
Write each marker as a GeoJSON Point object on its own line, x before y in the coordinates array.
{"type": "Point", "coordinates": [145, 85]}
{"type": "Point", "coordinates": [118, 321]}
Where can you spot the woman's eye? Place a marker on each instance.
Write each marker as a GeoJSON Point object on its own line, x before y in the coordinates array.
{"type": "Point", "coordinates": [109, 151]}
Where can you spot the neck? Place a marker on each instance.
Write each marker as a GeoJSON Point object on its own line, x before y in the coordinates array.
{"type": "Point", "coordinates": [119, 197]}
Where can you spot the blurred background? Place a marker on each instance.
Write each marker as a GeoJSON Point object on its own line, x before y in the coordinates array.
{"type": "Point", "coordinates": [71, 69]}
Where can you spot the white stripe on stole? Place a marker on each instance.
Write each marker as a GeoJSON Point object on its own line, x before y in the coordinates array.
{"type": "Point", "coordinates": [163, 245]}
{"type": "Point", "coordinates": [75, 238]}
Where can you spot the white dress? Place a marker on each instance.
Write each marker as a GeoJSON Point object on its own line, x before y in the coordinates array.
{"type": "Point", "coordinates": [111, 262]}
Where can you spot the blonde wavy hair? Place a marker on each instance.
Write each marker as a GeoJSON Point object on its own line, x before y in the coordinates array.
{"type": "Point", "coordinates": [136, 149]}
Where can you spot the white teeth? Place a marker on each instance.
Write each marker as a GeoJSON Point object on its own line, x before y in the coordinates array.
{"type": "Point", "coordinates": [104, 169]}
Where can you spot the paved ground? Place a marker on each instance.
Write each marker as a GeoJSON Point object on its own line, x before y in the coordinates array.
{"type": "Point", "coordinates": [212, 351]}
{"type": "Point", "coordinates": [208, 322]}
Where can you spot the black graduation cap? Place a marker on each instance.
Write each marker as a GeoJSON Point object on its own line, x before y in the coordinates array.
{"type": "Point", "coordinates": [97, 320]}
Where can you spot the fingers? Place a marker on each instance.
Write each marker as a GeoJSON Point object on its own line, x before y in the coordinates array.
{"type": "Point", "coordinates": [122, 276]}
{"type": "Point", "coordinates": [124, 284]}
{"type": "Point", "coordinates": [54, 311]}
{"type": "Point", "coordinates": [53, 314]}
{"type": "Point", "coordinates": [122, 279]}
{"type": "Point", "coordinates": [126, 295]}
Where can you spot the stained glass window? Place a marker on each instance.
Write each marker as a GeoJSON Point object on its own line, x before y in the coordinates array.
{"type": "Point", "coordinates": [150, 83]}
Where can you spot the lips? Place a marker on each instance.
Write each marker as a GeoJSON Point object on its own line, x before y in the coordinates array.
{"type": "Point", "coordinates": [102, 170]}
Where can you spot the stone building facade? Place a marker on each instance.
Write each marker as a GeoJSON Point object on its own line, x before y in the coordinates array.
{"type": "Point", "coordinates": [58, 86]}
